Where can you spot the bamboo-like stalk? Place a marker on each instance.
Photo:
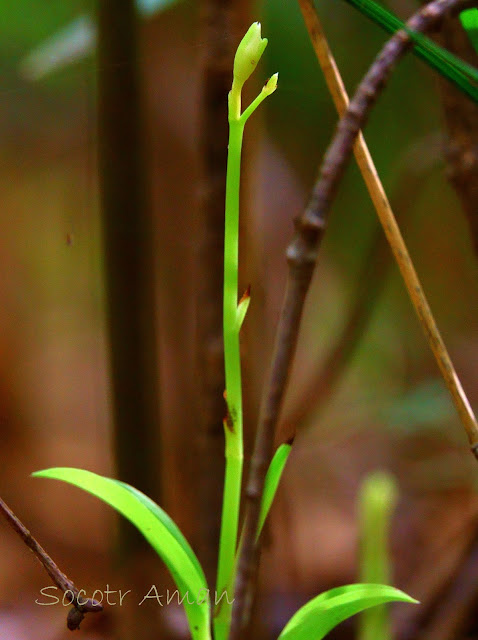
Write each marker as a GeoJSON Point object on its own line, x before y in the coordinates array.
{"type": "Point", "coordinates": [302, 255]}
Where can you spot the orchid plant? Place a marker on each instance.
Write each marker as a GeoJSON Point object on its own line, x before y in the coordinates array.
{"type": "Point", "coordinates": [207, 618]}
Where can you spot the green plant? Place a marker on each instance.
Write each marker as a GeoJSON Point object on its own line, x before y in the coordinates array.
{"type": "Point", "coordinates": [377, 499]}
{"type": "Point", "coordinates": [321, 614]}
{"type": "Point", "coordinates": [248, 54]}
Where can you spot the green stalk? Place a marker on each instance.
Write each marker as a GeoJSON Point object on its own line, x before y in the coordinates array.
{"type": "Point", "coordinates": [378, 497]}
{"type": "Point", "coordinates": [247, 56]}
{"type": "Point", "coordinates": [232, 362]}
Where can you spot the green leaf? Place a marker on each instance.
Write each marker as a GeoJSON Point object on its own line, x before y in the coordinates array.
{"type": "Point", "coordinates": [460, 73]}
{"type": "Point", "coordinates": [273, 477]}
{"type": "Point", "coordinates": [315, 619]}
{"type": "Point", "coordinates": [161, 533]}
{"type": "Point", "coordinates": [469, 20]}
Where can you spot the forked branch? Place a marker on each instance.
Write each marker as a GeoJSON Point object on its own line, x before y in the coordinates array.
{"type": "Point", "coordinates": [302, 255]}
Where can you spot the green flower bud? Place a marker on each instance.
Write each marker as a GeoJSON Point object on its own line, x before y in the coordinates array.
{"type": "Point", "coordinates": [271, 85]}
{"type": "Point", "coordinates": [248, 53]}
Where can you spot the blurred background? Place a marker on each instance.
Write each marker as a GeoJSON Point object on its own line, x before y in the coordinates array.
{"type": "Point", "coordinates": [111, 158]}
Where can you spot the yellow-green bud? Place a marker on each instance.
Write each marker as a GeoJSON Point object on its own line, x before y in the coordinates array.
{"type": "Point", "coordinates": [271, 85]}
{"type": "Point", "coordinates": [249, 53]}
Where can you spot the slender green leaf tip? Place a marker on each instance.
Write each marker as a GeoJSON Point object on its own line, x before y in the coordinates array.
{"type": "Point", "coordinates": [469, 20]}
{"type": "Point", "coordinates": [161, 533]}
{"type": "Point", "coordinates": [248, 53]}
{"type": "Point", "coordinates": [273, 476]}
{"type": "Point", "coordinates": [321, 614]}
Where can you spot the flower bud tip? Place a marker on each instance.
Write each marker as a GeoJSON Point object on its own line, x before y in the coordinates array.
{"type": "Point", "coordinates": [249, 53]}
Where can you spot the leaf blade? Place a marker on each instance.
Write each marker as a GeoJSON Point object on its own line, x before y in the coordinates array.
{"type": "Point", "coordinates": [457, 71]}
{"type": "Point", "coordinates": [469, 21]}
{"type": "Point", "coordinates": [273, 476]}
{"type": "Point", "coordinates": [321, 614]}
{"type": "Point", "coordinates": [158, 529]}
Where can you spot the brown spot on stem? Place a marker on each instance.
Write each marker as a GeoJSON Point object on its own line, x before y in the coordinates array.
{"type": "Point", "coordinates": [228, 423]}
{"type": "Point", "coordinates": [246, 294]}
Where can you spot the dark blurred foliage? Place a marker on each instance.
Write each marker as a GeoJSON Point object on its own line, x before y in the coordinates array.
{"type": "Point", "coordinates": [390, 408]}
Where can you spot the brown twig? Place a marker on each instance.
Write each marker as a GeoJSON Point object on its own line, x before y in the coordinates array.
{"type": "Point", "coordinates": [81, 605]}
{"type": "Point", "coordinates": [302, 255]}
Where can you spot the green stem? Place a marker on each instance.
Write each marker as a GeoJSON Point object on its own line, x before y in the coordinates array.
{"type": "Point", "coordinates": [248, 53]}
{"type": "Point", "coordinates": [233, 423]}
{"type": "Point", "coordinates": [378, 497]}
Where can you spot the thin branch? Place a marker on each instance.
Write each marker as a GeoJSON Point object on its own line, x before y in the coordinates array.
{"type": "Point", "coordinates": [302, 255]}
{"type": "Point", "coordinates": [81, 605]}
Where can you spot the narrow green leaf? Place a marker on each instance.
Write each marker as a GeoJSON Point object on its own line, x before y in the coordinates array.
{"type": "Point", "coordinates": [161, 533]}
{"type": "Point", "coordinates": [273, 477]}
{"type": "Point", "coordinates": [469, 20]}
{"type": "Point", "coordinates": [315, 619]}
{"type": "Point", "coordinates": [460, 73]}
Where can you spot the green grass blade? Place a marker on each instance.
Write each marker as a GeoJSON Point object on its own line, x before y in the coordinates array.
{"type": "Point", "coordinates": [273, 477]}
{"type": "Point", "coordinates": [319, 616]}
{"type": "Point", "coordinates": [161, 533]}
{"type": "Point", "coordinates": [469, 20]}
{"type": "Point", "coordinates": [460, 73]}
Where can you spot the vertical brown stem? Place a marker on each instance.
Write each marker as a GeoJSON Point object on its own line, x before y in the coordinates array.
{"type": "Point", "coordinates": [127, 237]}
